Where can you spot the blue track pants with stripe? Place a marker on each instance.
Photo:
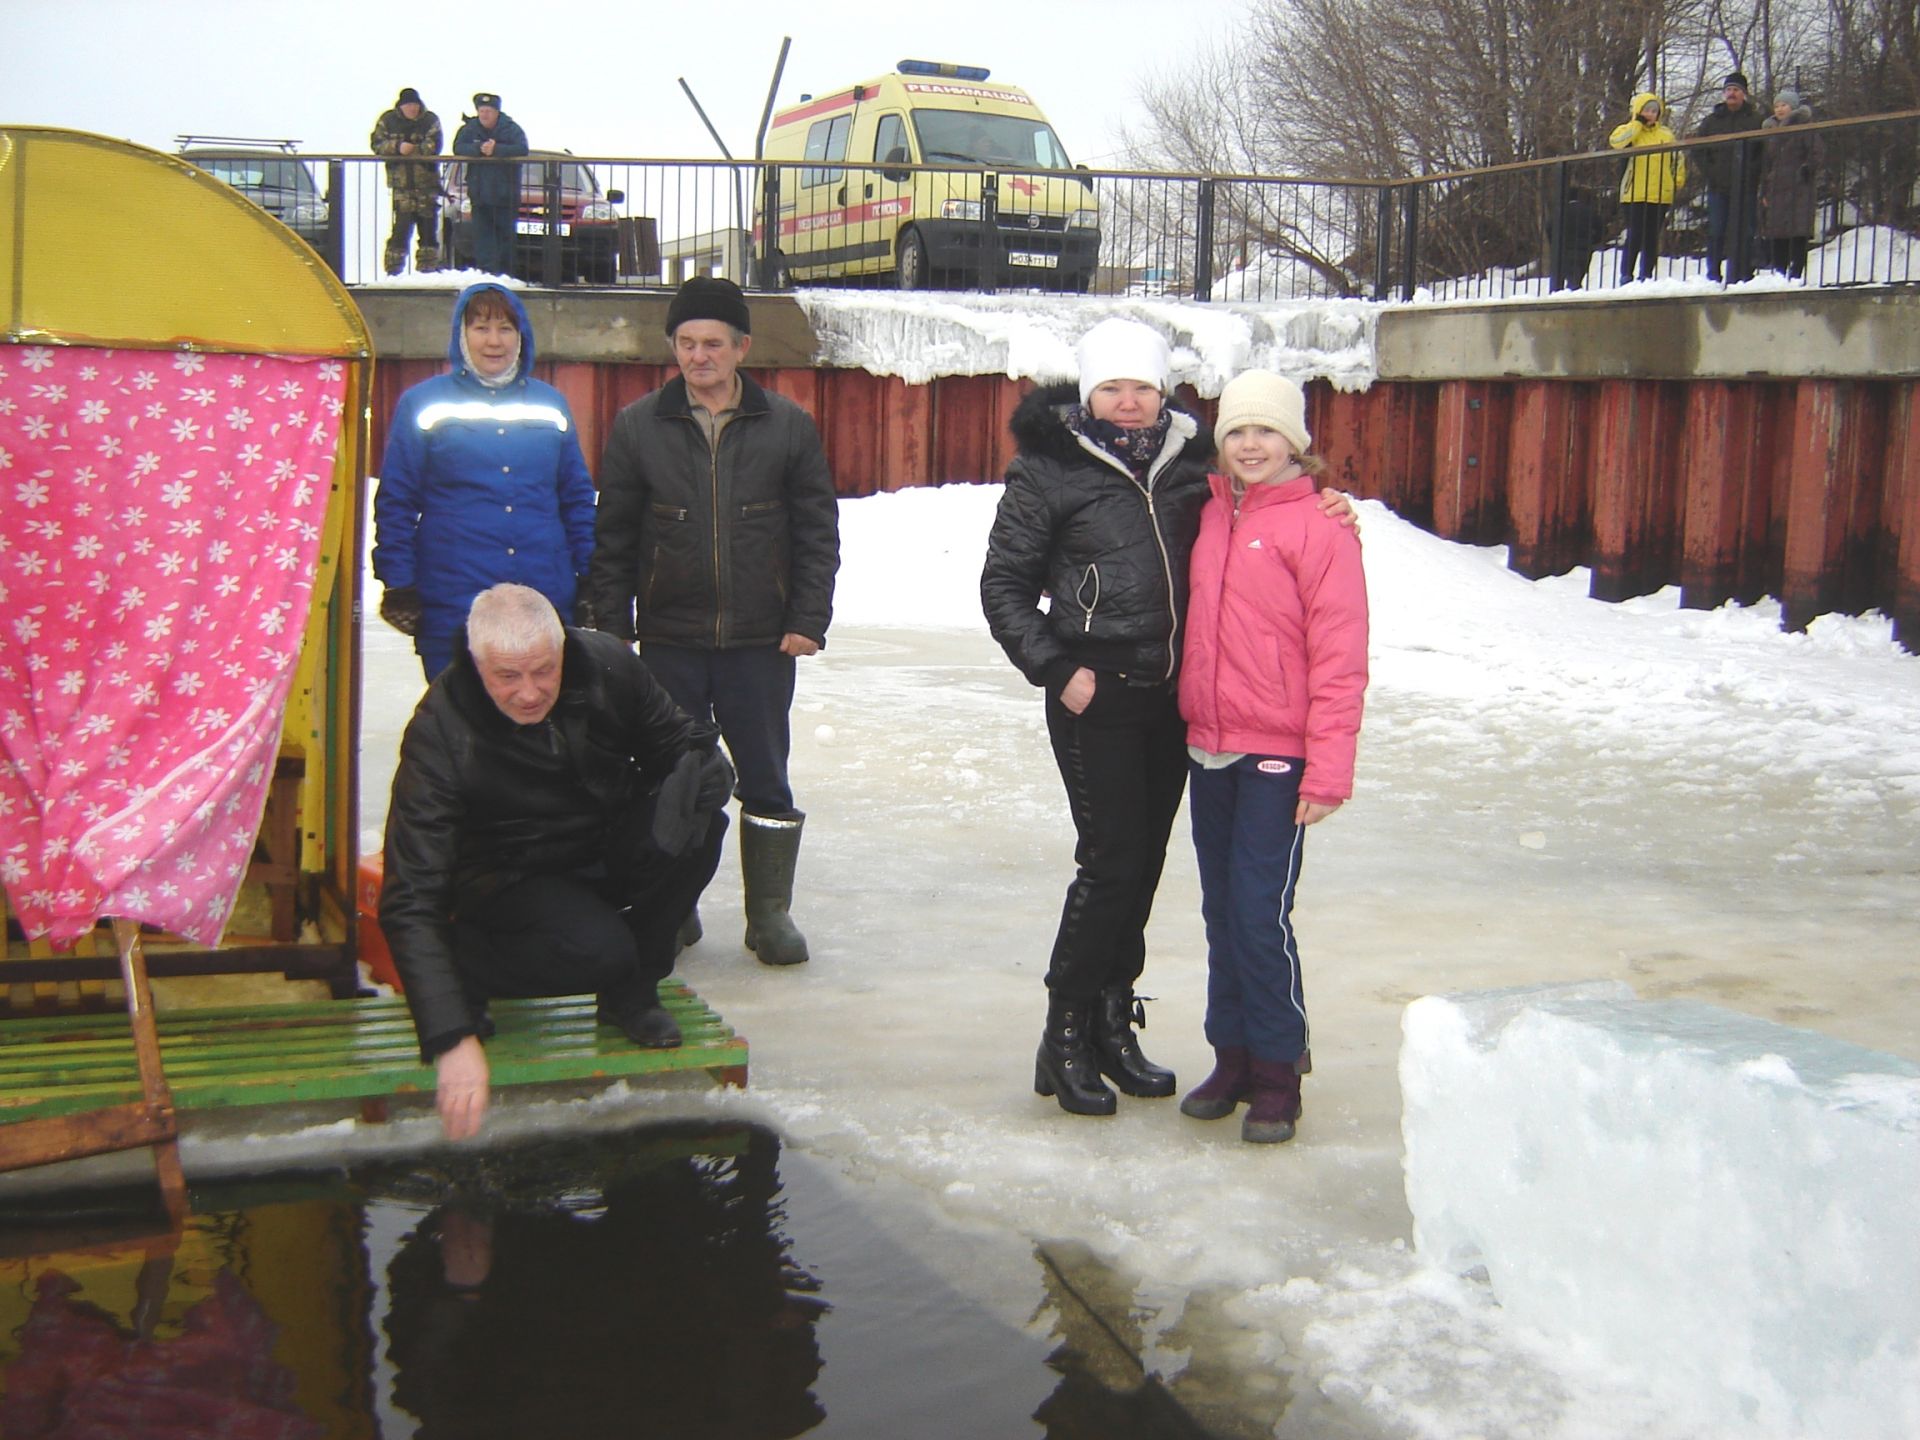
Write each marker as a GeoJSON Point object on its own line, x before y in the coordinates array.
{"type": "Point", "coordinates": [1250, 851]}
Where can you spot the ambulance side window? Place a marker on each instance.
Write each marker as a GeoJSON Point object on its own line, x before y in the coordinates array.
{"type": "Point", "coordinates": [826, 140]}
{"type": "Point", "coordinates": [889, 136]}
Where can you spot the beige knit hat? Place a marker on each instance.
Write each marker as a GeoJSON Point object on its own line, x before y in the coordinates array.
{"type": "Point", "coordinates": [1260, 397]}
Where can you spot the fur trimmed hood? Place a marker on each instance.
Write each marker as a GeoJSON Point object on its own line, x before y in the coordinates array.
{"type": "Point", "coordinates": [1039, 431]}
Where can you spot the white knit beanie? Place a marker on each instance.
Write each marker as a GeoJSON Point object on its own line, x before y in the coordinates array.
{"type": "Point", "coordinates": [1260, 397]}
{"type": "Point", "coordinates": [1117, 349]}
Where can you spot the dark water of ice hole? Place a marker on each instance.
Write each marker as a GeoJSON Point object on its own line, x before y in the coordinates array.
{"type": "Point", "coordinates": [673, 1281]}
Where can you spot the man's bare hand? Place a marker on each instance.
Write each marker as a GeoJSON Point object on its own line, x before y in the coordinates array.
{"type": "Point", "coordinates": [460, 1089]}
{"type": "Point", "coordinates": [792, 644]}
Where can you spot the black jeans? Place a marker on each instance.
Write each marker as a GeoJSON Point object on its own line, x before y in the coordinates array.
{"type": "Point", "coordinates": [581, 934]}
{"type": "Point", "coordinates": [748, 694]}
{"type": "Point", "coordinates": [1124, 762]}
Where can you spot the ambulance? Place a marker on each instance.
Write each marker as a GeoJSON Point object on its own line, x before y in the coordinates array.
{"type": "Point", "coordinates": [849, 210]}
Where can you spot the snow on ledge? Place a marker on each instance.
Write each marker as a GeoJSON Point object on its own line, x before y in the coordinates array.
{"type": "Point", "coordinates": [920, 336]}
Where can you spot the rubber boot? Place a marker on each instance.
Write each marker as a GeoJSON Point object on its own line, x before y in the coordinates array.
{"type": "Point", "coordinates": [690, 930]}
{"type": "Point", "coordinates": [769, 853]}
{"type": "Point", "coordinates": [641, 1019]}
{"type": "Point", "coordinates": [1117, 1052]}
{"type": "Point", "coordinates": [426, 259]}
{"type": "Point", "coordinates": [1065, 1067]}
{"type": "Point", "coordinates": [1215, 1097]}
{"type": "Point", "coordinates": [1274, 1104]}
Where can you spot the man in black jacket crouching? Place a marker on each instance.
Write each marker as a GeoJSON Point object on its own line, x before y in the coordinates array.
{"type": "Point", "coordinates": [554, 817]}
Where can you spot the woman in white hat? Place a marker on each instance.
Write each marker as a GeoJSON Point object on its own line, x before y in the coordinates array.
{"type": "Point", "coordinates": [1099, 513]}
{"type": "Point", "coordinates": [1271, 685]}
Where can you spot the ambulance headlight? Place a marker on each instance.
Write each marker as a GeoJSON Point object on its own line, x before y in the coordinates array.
{"type": "Point", "coordinates": [961, 210]}
{"type": "Point", "coordinates": [1084, 220]}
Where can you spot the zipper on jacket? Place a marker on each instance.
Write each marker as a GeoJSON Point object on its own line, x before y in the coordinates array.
{"type": "Point", "coordinates": [1159, 466]}
{"type": "Point", "coordinates": [1093, 574]}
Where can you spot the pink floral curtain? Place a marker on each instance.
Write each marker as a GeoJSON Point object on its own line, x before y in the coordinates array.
{"type": "Point", "coordinates": [160, 517]}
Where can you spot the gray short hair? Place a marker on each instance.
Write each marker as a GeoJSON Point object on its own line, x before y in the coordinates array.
{"type": "Point", "coordinates": [513, 620]}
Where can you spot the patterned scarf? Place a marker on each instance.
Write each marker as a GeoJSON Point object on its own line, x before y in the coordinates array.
{"type": "Point", "coordinates": [1135, 449]}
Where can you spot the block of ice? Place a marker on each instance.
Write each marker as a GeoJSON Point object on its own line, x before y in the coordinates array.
{"type": "Point", "coordinates": [1724, 1205]}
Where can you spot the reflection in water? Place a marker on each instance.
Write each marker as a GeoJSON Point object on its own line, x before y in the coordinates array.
{"type": "Point", "coordinates": [564, 1290]}
{"type": "Point", "coordinates": [642, 1283]}
{"type": "Point", "coordinates": [78, 1374]}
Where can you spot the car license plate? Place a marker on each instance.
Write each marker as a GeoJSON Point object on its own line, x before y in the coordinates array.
{"type": "Point", "coordinates": [1027, 257]}
{"type": "Point", "coordinates": [539, 227]}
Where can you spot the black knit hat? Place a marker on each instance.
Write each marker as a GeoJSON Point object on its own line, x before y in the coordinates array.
{"type": "Point", "coordinates": [706, 297]}
{"type": "Point", "coordinates": [1736, 78]}
{"type": "Point", "coordinates": [409, 96]}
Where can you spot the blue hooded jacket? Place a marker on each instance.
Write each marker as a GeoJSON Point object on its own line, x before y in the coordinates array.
{"type": "Point", "coordinates": [482, 485]}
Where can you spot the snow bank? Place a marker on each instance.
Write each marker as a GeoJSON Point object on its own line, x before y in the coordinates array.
{"type": "Point", "coordinates": [1723, 1204]}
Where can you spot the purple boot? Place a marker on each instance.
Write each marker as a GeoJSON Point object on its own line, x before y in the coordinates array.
{"type": "Point", "coordinates": [1214, 1097]}
{"type": "Point", "coordinates": [1275, 1102]}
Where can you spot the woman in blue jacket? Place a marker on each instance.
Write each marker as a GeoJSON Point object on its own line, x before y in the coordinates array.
{"type": "Point", "coordinates": [483, 482]}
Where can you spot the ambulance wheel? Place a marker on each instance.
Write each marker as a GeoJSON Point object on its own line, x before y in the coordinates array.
{"type": "Point", "coordinates": [910, 270]}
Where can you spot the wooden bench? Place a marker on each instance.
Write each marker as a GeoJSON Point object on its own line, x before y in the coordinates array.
{"type": "Point", "coordinates": [330, 1050]}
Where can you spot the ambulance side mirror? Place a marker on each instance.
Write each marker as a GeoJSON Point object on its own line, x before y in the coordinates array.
{"type": "Point", "coordinates": [895, 156]}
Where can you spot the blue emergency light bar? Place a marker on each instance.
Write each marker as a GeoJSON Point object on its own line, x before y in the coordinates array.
{"type": "Point", "coordinates": [942, 69]}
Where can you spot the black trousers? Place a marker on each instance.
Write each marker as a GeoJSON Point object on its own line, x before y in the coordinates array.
{"type": "Point", "coordinates": [1124, 763]}
{"type": "Point", "coordinates": [594, 933]}
{"type": "Point", "coordinates": [1645, 222]}
{"type": "Point", "coordinates": [748, 694]}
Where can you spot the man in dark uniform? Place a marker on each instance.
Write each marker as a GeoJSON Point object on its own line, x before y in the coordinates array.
{"type": "Point", "coordinates": [409, 129]}
{"type": "Point", "coordinates": [493, 191]}
{"type": "Point", "coordinates": [554, 816]}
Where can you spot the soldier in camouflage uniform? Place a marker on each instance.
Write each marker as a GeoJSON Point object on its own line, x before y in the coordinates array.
{"type": "Point", "coordinates": [409, 128]}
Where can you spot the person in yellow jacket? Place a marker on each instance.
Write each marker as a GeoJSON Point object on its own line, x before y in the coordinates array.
{"type": "Point", "coordinates": [1648, 184]}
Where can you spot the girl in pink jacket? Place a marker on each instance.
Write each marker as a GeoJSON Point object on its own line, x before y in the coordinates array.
{"type": "Point", "coordinates": [1271, 684]}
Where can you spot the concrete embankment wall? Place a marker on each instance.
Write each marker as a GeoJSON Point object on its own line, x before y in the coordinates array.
{"type": "Point", "coordinates": [1766, 444]}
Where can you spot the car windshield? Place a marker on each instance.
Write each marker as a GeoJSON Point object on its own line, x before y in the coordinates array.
{"type": "Point", "coordinates": [988, 139]}
{"type": "Point", "coordinates": [264, 173]}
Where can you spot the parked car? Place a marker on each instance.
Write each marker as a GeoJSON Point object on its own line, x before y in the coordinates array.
{"type": "Point", "coordinates": [584, 217]}
{"type": "Point", "coordinates": [270, 173]}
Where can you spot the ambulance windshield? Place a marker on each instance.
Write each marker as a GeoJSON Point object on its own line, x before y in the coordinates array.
{"type": "Point", "coordinates": [978, 139]}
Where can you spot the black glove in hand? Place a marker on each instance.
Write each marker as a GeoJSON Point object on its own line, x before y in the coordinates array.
{"type": "Point", "coordinates": [698, 785]}
{"type": "Point", "coordinates": [400, 607]}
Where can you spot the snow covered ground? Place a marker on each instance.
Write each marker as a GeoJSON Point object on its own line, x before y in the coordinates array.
{"type": "Point", "coordinates": [1549, 789]}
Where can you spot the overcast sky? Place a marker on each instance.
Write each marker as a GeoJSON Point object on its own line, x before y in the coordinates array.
{"type": "Point", "coordinates": [597, 79]}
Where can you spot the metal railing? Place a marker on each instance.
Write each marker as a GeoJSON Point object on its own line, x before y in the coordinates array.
{"type": "Point", "coordinates": [1531, 228]}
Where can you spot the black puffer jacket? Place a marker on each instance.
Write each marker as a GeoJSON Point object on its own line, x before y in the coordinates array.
{"type": "Point", "coordinates": [480, 802]}
{"type": "Point", "coordinates": [1111, 552]}
{"type": "Point", "coordinates": [715, 551]}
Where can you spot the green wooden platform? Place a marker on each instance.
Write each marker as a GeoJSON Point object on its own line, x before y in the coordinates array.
{"type": "Point", "coordinates": [333, 1050]}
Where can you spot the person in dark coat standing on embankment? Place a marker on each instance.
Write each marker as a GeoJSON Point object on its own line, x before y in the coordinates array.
{"type": "Point", "coordinates": [1789, 186]}
{"type": "Point", "coordinates": [492, 190]}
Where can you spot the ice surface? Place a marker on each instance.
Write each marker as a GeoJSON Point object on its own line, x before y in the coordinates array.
{"type": "Point", "coordinates": [1723, 1204]}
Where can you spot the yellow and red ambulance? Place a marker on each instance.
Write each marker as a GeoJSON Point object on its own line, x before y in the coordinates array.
{"type": "Point", "coordinates": [861, 188]}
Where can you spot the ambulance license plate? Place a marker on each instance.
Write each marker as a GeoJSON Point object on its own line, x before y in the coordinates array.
{"type": "Point", "coordinates": [1027, 257]}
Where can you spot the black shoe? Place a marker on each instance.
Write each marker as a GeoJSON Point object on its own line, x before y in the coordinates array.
{"type": "Point", "coordinates": [651, 1028]}
{"type": "Point", "coordinates": [1117, 1052]}
{"type": "Point", "coordinates": [1065, 1067]}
